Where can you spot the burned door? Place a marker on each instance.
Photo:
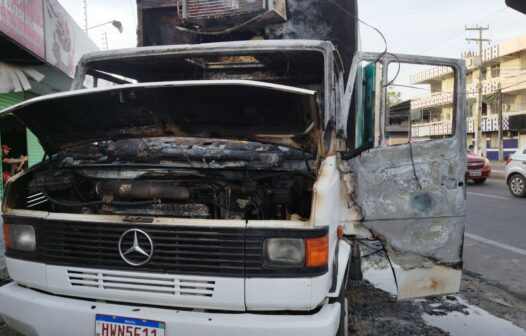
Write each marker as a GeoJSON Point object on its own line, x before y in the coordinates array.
{"type": "Point", "coordinates": [404, 165]}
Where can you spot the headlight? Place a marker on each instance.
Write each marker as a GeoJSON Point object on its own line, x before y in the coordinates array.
{"type": "Point", "coordinates": [486, 162]}
{"type": "Point", "coordinates": [19, 237]}
{"type": "Point", "coordinates": [284, 252]}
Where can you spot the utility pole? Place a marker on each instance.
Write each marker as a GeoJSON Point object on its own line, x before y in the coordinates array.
{"type": "Point", "coordinates": [479, 142]}
{"type": "Point", "coordinates": [85, 3]}
{"type": "Point", "coordinates": [499, 108]}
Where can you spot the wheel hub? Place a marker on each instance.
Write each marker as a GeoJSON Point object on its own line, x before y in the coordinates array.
{"type": "Point", "coordinates": [517, 185]}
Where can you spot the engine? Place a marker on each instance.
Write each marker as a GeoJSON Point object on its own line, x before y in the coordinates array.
{"type": "Point", "coordinates": [184, 194]}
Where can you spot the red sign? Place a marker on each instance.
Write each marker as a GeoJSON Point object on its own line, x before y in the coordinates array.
{"type": "Point", "coordinates": [23, 21]}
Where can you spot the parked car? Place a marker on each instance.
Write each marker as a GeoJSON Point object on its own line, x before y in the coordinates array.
{"type": "Point", "coordinates": [516, 173]}
{"type": "Point", "coordinates": [479, 168]}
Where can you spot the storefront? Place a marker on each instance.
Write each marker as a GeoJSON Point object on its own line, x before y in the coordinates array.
{"type": "Point", "coordinates": [40, 46]}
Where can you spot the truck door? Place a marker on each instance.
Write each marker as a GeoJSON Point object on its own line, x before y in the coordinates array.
{"type": "Point", "coordinates": [404, 161]}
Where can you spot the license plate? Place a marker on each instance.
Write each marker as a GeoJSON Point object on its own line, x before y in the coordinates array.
{"type": "Point", "coordinates": [475, 173]}
{"type": "Point", "coordinates": [108, 325]}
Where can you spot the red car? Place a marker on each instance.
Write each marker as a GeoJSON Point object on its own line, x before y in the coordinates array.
{"type": "Point", "coordinates": [478, 168]}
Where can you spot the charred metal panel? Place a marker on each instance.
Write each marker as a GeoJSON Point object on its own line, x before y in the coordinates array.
{"type": "Point", "coordinates": [411, 196]}
{"type": "Point", "coordinates": [164, 22]}
{"type": "Point", "coordinates": [245, 110]}
{"type": "Point", "coordinates": [432, 280]}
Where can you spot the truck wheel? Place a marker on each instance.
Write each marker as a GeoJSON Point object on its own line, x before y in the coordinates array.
{"type": "Point", "coordinates": [343, 328]}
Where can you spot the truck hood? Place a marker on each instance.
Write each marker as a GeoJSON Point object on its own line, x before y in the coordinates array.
{"type": "Point", "coordinates": [228, 109]}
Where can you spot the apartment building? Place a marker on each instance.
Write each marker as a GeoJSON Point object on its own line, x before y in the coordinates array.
{"type": "Point", "coordinates": [503, 65]}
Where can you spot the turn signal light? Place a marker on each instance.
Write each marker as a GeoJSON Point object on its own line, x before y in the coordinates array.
{"type": "Point", "coordinates": [317, 251]}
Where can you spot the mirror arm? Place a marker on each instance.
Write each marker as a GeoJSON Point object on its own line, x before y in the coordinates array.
{"type": "Point", "coordinates": [355, 152]}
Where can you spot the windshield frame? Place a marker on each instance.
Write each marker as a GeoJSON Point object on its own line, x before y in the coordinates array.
{"type": "Point", "coordinates": [332, 61]}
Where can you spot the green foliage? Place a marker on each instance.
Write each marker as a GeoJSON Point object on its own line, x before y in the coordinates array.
{"type": "Point", "coordinates": [393, 97]}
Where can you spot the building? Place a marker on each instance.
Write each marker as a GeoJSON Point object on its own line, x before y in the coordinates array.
{"type": "Point", "coordinates": [503, 65]}
{"type": "Point", "coordinates": [40, 45]}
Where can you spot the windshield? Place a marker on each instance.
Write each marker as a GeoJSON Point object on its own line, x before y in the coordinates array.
{"type": "Point", "coordinates": [290, 67]}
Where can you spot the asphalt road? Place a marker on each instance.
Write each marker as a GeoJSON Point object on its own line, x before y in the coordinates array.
{"type": "Point", "coordinates": [495, 241]}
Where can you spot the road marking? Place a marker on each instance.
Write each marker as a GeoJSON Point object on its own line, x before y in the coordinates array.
{"type": "Point", "coordinates": [496, 244]}
{"type": "Point", "coordinates": [490, 196]}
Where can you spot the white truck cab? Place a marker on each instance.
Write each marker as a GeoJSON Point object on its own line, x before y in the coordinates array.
{"type": "Point", "coordinates": [218, 189]}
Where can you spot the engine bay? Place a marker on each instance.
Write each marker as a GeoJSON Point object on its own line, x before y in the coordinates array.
{"type": "Point", "coordinates": [182, 193]}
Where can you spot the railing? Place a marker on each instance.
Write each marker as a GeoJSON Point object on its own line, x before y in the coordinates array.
{"type": "Point", "coordinates": [435, 99]}
{"type": "Point", "coordinates": [432, 129]}
{"type": "Point", "coordinates": [430, 73]}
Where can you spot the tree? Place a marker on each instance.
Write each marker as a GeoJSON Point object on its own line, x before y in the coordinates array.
{"type": "Point", "coordinates": [393, 97]}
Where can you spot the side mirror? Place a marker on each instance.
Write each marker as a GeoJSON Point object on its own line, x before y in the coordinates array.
{"type": "Point", "coordinates": [519, 5]}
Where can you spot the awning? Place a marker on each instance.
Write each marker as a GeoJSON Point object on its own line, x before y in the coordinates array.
{"type": "Point", "coordinates": [16, 78]}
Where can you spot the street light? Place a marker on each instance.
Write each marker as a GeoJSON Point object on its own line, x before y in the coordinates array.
{"type": "Point", "coordinates": [114, 23]}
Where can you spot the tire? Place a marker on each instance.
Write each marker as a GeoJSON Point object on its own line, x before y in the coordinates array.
{"type": "Point", "coordinates": [517, 185]}
{"type": "Point", "coordinates": [480, 181]}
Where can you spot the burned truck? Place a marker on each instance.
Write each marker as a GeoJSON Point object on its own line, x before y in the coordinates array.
{"type": "Point", "coordinates": [222, 187]}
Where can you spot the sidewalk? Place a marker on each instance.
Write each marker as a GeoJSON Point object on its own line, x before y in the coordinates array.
{"type": "Point", "coordinates": [497, 170]}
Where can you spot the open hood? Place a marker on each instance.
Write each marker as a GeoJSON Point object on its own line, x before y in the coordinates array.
{"type": "Point", "coordinates": [228, 109]}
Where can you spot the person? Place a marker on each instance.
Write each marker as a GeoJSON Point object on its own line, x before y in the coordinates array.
{"type": "Point", "coordinates": [11, 165]}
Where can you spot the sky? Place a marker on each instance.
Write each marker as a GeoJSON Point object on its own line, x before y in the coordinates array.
{"type": "Point", "coordinates": [427, 27]}
{"type": "Point", "coordinates": [436, 28]}
{"type": "Point", "coordinates": [424, 27]}
{"type": "Point", "coordinates": [100, 11]}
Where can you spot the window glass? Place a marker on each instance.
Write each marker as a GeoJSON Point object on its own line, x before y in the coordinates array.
{"type": "Point", "coordinates": [419, 103]}
{"type": "Point", "coordinates": [361, 115]}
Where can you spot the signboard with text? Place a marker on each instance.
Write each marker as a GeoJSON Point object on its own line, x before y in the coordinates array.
{"type": "Point", "coordinates": [65, 41]}
{"type": "Point", "coordinates": [23, 22]}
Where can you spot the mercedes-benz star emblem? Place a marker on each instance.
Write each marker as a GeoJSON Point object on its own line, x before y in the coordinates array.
{"type": "Point", "coordinates": [141, 249]}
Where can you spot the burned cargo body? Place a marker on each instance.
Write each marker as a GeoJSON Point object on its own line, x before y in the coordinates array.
{"type": "Point", "coordinates": [169, 22]}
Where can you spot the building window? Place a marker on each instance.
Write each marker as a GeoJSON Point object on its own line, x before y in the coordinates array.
{"type": "Point", "coordinates": [495, 71]}
{"type": "Point", "coordinates": [484, 74]}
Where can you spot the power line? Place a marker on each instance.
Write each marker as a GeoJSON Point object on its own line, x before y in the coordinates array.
{"type": "Point", "coordinates": [463, 31]}
{"type": "Point", "coordinates": [507, 87]}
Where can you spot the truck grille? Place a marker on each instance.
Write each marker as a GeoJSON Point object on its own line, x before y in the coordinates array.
{"type": "Point", "coordinates": [153, 283]}
{"type": "Point", "coordinates": [475, 165]}
{"type": "Point", "coordinates": [181, 250]}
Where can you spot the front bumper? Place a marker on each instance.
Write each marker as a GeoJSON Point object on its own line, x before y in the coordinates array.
{"type": "Point", "coordinates": [35, 313]}
{"type": "Point", "coordinates": [484, 173]}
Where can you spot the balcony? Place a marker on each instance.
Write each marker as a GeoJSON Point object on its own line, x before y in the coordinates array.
{"type": "Point", "coordinates": [435, 99]}
{"type": "Point", "coordinates": [431, 74]}
{"type": "Point", "coordinates": [490, 123]}
{"type": "Point", "coordinates": [439, 128]}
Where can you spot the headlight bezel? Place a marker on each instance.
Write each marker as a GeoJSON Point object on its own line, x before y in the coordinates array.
{"type": "Point", "coordinates": [20, 237]}
{"type": "Point", "coordinates": [284, 252]}
{"type": "Point", "coordinates": [315, 249]}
